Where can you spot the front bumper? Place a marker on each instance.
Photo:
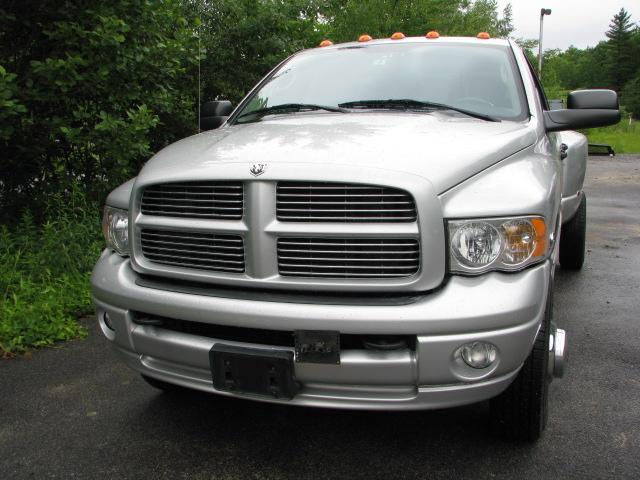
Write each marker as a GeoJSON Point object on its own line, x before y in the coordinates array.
{"type": "Point", "coordinates": [503, 309]}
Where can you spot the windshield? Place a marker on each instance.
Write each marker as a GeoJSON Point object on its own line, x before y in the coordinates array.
{"type": "Point", "coordinates": [476, 78]}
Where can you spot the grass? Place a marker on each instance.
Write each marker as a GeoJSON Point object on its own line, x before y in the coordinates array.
{"type": "Point", "coordinates": [623, 137]}
{"type": "Point", "coordinates": [44, 274]}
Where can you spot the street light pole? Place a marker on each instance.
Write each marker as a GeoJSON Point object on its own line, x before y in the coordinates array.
{"type": "Point", "coordinates": [543, 12]}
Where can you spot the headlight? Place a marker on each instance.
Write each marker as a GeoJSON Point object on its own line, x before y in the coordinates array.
{"type": "Point", "coordinates": [115, 227]}
{"type": "Point", "coordinates": [480, 245]}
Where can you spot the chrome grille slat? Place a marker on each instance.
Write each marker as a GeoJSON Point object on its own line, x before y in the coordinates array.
{"type": "Point", "coordinates": [193, 194]}
{"type": "Point", "coordinates": [344, 264]}
{"type": "Point", "coordinates": [327, 186]}
{"type": "Point", "coordinates": [295, 273]}
{"type": "Point", "coordinates": [349, 257]}
{"type": "Point", "coordinates": [218, 247]}
{"type": "Point", "coordinates": [150, 198]}
{"type": "Point", "coordinates": [187, 236]}
{"type": "Point", "coordinates": [359, 252]}
{"type": "Point", "coordinates": [333, 219]}
{"type": "Point", "coordinates": [342, 195]}
{"type": "Point", "coordinates": [197, 207]}
{"type": "Point", "coordinates": [208, 252]}
{"type": "Point", "coordinates": [196, 185]}
{"type": "Point", "coordinates": [342, 202]}
{"type": "Point", "coordinates": [349, 261]}
{"type": "Point", "coordinates": [180, 257]}
{"type": "Point", "coordinates": [329, 242]}
{"type": "Point", "coordinates": [194, 215]}
{"type": "Point", "coordinates": [204, 251]}
{"type": "Point", "coordinates": [323, 202]}
{"type": "Point", "coordinates": [215, 200]}
{"type": "Point", "coordinates": [334, 210]}
{"type": "Point", "coordinates": [199, 266]}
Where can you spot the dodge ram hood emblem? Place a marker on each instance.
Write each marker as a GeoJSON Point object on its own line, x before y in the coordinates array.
{"type": "Point", "coordinates": [257, 169]}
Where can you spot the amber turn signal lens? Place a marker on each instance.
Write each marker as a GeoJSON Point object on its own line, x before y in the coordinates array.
{"type": "Point", "coordinates": [397, 36]}
{"type": "Point", "coordinates": [483, 36]}
{"type": "Point", "coordinates": [432, 34]}
{"type": "Point", "coordinates": [525, 239]}
{"type": "Point", "coordinates": [364, 38]}
{"type": "Point", "coordinates": [325, 43]}
{"type": "Point", "coordinates": [541, 234]}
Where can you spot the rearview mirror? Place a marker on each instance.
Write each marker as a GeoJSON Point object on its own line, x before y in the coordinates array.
{"type": "Point", "coordinates": [213, 114]}
{"type": "Point", "coordinates": [585, 109]}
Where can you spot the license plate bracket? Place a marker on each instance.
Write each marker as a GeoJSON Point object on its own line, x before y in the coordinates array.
{"type": "Point", "coordinates": [317, 346]}
{"type": "Point", "coordinates": [253, 371]}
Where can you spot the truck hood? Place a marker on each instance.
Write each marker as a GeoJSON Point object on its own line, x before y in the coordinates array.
{"type": "Point", "coordinates": [445, 149]}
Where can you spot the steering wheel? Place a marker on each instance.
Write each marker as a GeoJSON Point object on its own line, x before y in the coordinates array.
{"type": "Point", "coordinates": [474, 101]}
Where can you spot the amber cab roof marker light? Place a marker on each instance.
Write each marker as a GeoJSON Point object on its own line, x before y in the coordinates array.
{"type": "Point", "coordinates": [364, 38]}
{"type": "Point", "coordinates": [397, 36]}
{"type": "Point", "coordinates": [325, 43]}
{"type": "Point", "coordinates": [483, 36]}
{"type": "Point", "coordinates": [432, 34]}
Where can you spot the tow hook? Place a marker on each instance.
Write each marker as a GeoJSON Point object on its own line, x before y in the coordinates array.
{"type": "Point", "coordinates": [557, 344]}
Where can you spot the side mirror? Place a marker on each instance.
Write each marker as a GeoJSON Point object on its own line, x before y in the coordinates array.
{"type": "Point", "coordinates": [214, 114]}
{"type": "Point", "coordinates": [585, 109]}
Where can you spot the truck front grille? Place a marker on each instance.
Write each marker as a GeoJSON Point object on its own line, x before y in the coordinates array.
{"type": "Point", "coordinates": [348, 257]}
{"type": "Point", "coordinates": [333, 234]}
{"type": "Point", "coordinates": [342, 202]}
{"type": "Point", "coordinates": [210, 200]}
{"type": "Point", "coordinates": [204, 251]}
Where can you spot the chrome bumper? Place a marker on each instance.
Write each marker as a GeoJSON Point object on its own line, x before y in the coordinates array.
{"type": "Point", "coordinates": [504, 309]}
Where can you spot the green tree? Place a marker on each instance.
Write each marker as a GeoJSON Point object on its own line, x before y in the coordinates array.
{"type": "Point", "coordinates": [380, 18]}
{"type": "Point", "coordinates": [244, 39]}
{"type": "Point", "coordinates": [620, 62]}
{"type": "Point", "coordinates": [94, 87]}
{"type": "Point", "coordinates": [631, 97]}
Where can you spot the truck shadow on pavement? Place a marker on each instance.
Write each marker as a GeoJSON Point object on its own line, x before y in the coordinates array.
{"type": "Point", "coordinates": [334, 442]}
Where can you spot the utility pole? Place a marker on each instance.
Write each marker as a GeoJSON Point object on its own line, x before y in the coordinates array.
{"type": "Point", "coordinates": [543, 12]}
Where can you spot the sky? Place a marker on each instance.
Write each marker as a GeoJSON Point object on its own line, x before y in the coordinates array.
{"type": "Point", "coordinates": [580, 23]}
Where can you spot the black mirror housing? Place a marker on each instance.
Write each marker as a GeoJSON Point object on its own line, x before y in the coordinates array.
{"type": "Point", "coordinates": [558, 120]}
{"type": "Point", "coordinates": [214, 114]}
{"type": "Point", "coordinates": [593, 100]}
{"type": "Point", "coordinates": [585, 109]}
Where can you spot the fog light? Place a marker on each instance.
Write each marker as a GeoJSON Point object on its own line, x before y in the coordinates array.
{"type": "Point", "coordinates": [478, 354]}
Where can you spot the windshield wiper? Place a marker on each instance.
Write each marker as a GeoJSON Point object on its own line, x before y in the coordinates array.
{"type": "Point", "coordinates": [291, 108]}
{"type": "Point", "coordinates": [409, 104]}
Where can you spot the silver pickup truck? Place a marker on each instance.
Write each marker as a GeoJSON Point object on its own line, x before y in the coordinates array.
{"type": "Point", "coordinates": [375, 226]}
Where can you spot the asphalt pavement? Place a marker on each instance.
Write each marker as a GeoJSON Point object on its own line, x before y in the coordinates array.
{"type": "Point", "coordinates": [74, 411]}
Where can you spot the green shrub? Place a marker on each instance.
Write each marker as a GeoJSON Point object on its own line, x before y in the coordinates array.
{"type": "Point", "coordinates": [623, 137]}
{"type": "Point", "coordinates": [89, 90]}
{"type": "Point", "coordinates": [631, 96]}
{"type": "Point", "coordinates": [44, 273]}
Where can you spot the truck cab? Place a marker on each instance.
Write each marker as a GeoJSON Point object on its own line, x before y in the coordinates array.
{"type": "Point", "coordinates": [375, 226]}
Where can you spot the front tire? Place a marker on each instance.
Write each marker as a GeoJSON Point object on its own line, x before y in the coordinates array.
{"type": "Point", "coordinates": [521, 411]}
{"type": "Point", "coordinates": [573, 239]}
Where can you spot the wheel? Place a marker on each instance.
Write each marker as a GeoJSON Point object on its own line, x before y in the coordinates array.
{"type": "Point", "coordinates": [161, 385]}
{"type": "Point", "coordinates": [521, 411]}
{"type": "Point", "coordinates": [572, 238]}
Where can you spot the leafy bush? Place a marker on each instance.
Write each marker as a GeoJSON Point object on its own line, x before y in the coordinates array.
{"type": "Point", "coordinates": [623, 137]}
{"type": "Point", "coordinates": [44, 273]}
{"type": "Point", "coordinates": [89, 90]}
{"type": "Point", "coordinates": [631, 96]}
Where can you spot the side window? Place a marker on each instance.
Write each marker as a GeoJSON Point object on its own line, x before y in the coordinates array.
{"type": "Point", "coordinates": [539, 89]}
